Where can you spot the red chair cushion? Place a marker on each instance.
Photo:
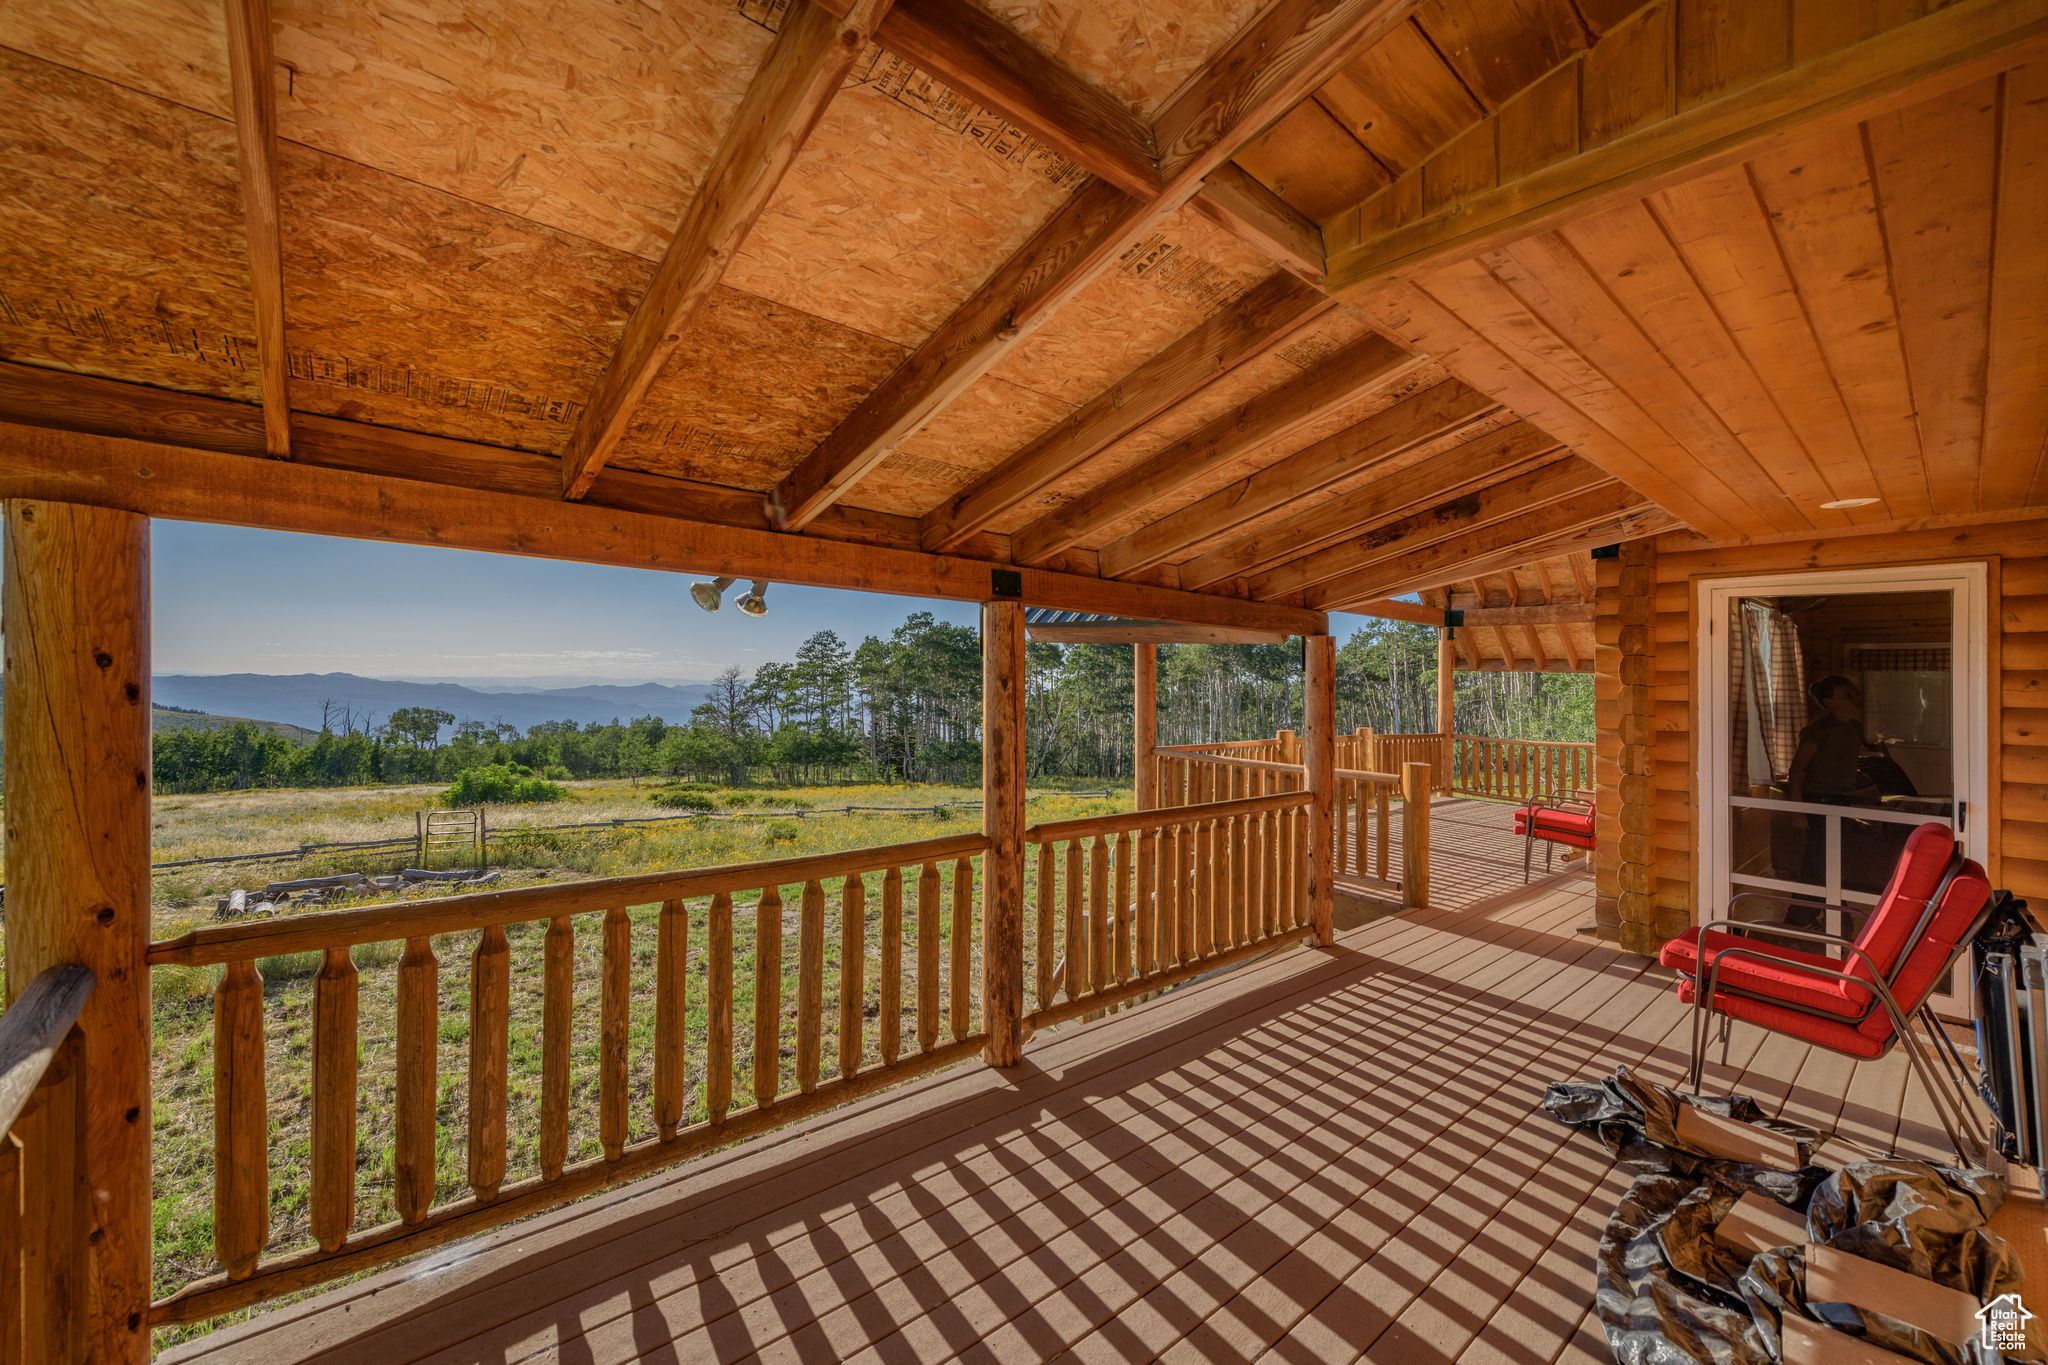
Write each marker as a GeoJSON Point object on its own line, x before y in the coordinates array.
{"type": "Point", "coordinates": [1918, 873]}
{"type": "Point", "coordinates": [1782, 977]}
{"type": "Point", "coordinates": [1841, 1035]}
{"type": "Point", "coordinates": [1554, 821]}
{"type": "Point", "coordinates": [1958, 910]}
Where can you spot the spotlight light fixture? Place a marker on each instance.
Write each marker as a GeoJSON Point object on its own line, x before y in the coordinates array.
{"type": "Point", "coordinates": [1840, 503]}
{"type": "Point", "coordinates": [755, 603]}
{"type": "Point", "coordinates": [708, 595]}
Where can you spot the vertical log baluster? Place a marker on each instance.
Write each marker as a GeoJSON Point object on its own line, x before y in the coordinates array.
{"type": "Point", "coordinates": [671, 963]}
{"type": "Point", "coordinates": [1258, 880]}
{"type": "Point", "coordinates": [1242, 879]}
{"type": "Point", "coordinates": [1099, 913]}
{"type": "Point", "coordinates": [1342, 815]}
{"type": "Point", "coordinates": [768, 996]}
{"type": "Point", "coordinates": [1125, 913]}
{"type": "Point", "coordinates": [853, 968]}
{"type": "Point", "coordinates": [419, 1007]}
{"type": "Point", "coordinates": [1146, 907]}
{"type": "Point", "coordinates": [1184, 950]}
{"type": "Point", "coordinates": [891, 1011]}
{"type": "Point", "coordinates": [335, 1065]}
{"type": "Point", "coordinates": [558, 1016]}
{"type": "Point", "coordinates": [1205, 888]}
{"type": "Point", "coordinates": [241, 1123]}
{"type": "Point", "coordinates": [1048, 932]}
{"type": "Point", "coordinates": [718, 971]}
{"type": "Point", "coordinates": [810, 986]}
{"type": "Point", "coordinates": [613, 1023]}
{"type": "Point", "coordinates": [1381, 788]}
{"type": "Point", "coordinates": [928, 958]}
{"type": "Point", "coordinates": [1077, 941]}
{"type": "Point", "coordinates": [490, 1016]}
{"type": "Point", "coordinates": [960, 980]}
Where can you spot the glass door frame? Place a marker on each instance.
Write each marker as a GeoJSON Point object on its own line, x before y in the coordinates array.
{"type": "Point", "coordinates": [1969, 735]}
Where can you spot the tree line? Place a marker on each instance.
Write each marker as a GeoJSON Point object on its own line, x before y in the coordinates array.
{"type": "Point", "coordinates": [901, 708]}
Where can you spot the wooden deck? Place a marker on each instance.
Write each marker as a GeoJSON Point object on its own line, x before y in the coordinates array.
{"type": "Point", "coordinates": [1328, 1155]}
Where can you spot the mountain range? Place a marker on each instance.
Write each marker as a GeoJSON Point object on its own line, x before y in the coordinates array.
{"type": "Point", "coordinates": [295, 698]}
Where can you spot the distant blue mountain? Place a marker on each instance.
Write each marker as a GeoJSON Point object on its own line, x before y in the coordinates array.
{"type": "Point", "coordinates": [295, 699]}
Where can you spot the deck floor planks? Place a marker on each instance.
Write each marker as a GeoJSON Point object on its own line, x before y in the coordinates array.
{"type": "Point", "coordinates": [1196, 1178]}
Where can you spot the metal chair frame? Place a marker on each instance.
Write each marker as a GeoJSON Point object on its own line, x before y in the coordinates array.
{"type": "Point", "coordinates": [1535, 803]}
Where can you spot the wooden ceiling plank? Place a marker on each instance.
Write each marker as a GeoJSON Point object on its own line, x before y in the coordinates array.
{"type": "Point", "coordinates": [1390, 438]}
{"type": "Point", "coordinates": [1548, 278]}
{"type": "Point", "coordinates": [252, 73]}
{"type": "Point", "coordinates": [1720, 229]}
{"type": "Point", "coordinates": [1946, 48]}
{"type": "Point", "coordinates": [1260, 320]}
{"type": "Point", "coordinates": [1499, 47]}
{"type": "Point", "coordinates": [1308, 160]}
{"type": "Point", "coordinates": [1510, 499]}
{"type": "Point", "coordinates": [1554, 530]}
{"type": "Point", "coordinates": [1483, 334]}
{"type": "Point", "coordinates": [805, 67]}
{"type": "Point", "coordinates": [1937, 169]}
{"type": "Point", "coordinates": [1824, 212]}
{"type": "Point", "coordinates": [1454, 473]}
{"type": "Point", "coordinates": [1068, 252]}
{"type": "Point", "coordinates": [1643, 272]}
{"type": "Point", "coordinates": [2016, 404]}
{"type": "Point", "coordinates": [1366, 364]}
{"type": "Point", "coordinates": [181, 484]}
{"type": "Point", "coordinates": [1400, 99]}
{"type": "Point", "coordinates": [1263, 219]}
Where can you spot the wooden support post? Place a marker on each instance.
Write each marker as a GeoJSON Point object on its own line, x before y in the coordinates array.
{"type": "Point", "coordinates": [1145, 724]}
{"type": "Point", "coordinates": [1319, 719]}
{"type": "Point", "coordinates": [77, 765]}
{"type": "Point", "coordinates": [1002, 814]}
{"type": "Point", "coordinates": [1415, 790]}
{"type": "Point", "coordinates": [1446, 706]}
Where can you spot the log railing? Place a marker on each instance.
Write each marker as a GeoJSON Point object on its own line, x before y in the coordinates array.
{"type": "Point", "coordinates": [1130, 904]}
{"type": "Point", "coordinates": [1517, 769]}
{"type": "Point", "coordinates": [1362, 823]}
{"type": "Point", "coordinates": [917, 927]}
{"type": "Point", "coordinates": [1189, 775]}
{"type": "Point", "coordinates": [1391, 753]}
{"type": "Point", "coordinates": [46, 1213]}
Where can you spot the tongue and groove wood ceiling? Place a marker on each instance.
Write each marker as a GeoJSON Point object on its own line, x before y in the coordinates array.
{"type": "Point", "coordinates": [1309, 304]}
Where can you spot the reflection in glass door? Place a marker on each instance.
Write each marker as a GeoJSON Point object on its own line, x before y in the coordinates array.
{"type": "Point", "coordinates": [1839, 715]}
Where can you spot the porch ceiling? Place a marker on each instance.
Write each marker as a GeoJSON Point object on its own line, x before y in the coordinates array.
{"type": "Point", "coordinates": [1533, 618]}
{"type": "Point", "coordinates": [995, 289]}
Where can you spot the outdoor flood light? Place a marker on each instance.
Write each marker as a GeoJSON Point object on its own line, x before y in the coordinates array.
{"type": "Point", "coordinates": [755, 603]}
{"type": "Point", "coordinates": [708, 595]}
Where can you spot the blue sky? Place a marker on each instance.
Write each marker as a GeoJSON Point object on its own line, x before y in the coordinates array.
{"type": "Point", "coordinates": [229, 600]}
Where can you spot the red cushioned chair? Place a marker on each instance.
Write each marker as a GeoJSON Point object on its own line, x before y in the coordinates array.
{"type": "Point", "coordinates": [1857, 1005]}
{"type": "Point", "coordinates": [1564, 820]}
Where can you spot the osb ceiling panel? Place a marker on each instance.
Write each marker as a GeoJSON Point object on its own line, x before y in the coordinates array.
{"type": "Point", "coordinates": [974, 433]}
{"type": "Point", "coordinates": [121, 244]}
{"type": "Point", "coordinates": [176, 49]}
{"type": "Point", "coordinates": [1139, 52]}
{"type": "Point", "coordinates": [408, 307]}
{"type": "Point", "coordinates": [898, 208]}
{"type": "Point", "coordinates": [594, 118]}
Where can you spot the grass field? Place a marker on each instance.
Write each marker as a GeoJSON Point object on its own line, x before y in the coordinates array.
{"type": "Point", "coordinates": [210, 825]}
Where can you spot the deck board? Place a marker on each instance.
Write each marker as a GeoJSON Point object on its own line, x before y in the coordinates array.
{"type": "Point", "coordinates": [1325, 1155]}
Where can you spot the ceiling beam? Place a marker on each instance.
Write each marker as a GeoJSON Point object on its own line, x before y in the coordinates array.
{"type": "Point", "coordinates": [1383, 444]}
{"type": "Point", "coordinates": [1153, 633]}
{"type": "Point", "coordinates": [183, 484]}
{"type": "Point", "coordinates": [1387, 609]}
{"type": "Point", "coordinates": [1393, 235]}
{"type": "Point", "coordinates": [252, 74]}
{"type": "Point", "coordinates": [1088, 232]}
{"type": "Point", "coordinates": [805, 67]}
{"type": "Point", "coordinates": [1469, 474]}
{"type": "Point", "coordinates": [1273, 311]}
{"type": "Point", "coordinates": [1559, 614]}
{"type": "Point", "coordinates": [1381, 540]}
{"type": "Point", "coordinates": [1263, 220]}
{"type": "Point", "coordinates": [1608, 515]}
{"type": "Point", "coordinates": [1368, 363]}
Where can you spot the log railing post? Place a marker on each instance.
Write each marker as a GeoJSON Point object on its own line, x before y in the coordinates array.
{"type": "Point", "coordinates": [1002, 813]}
{"type": "Point", "coordinates": [77, 760]}
{"type": "Point", "coordinates": [1319, 719]}
{"type": "Point", "coordinates": [1145, 725]}
{"type": "Point", "coordinates": [1415, 794]}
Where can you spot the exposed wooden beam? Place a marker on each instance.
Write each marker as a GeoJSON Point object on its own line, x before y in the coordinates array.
{"type": "Point", "coordinates": [1154, 633]}
{"type": "Point", "coordinates": [183, 484]}
{"type": "Point", "coordinates": [1469, 475]}
{"type": "Point", "coordinates": [1264, 220]}
{"type": "Point", "coordinates": [1385, 443]}
{"type": "Point", "coordinates": [1262, 319]}
{"type": "Point", "coordinates": [1530, 666]}
{"type": "Point", "coordinates": [1914, 61]}
{"type": "Point", "coordinates": [1367, 363]}
{"type": "Point", "coordinates": [1070, 250]}
{"type": "Point", "coordinates": [1559, 529]}
{"type": "Point", "coordinates": [1506, 503]}
{"type": "Point", "coordinates": [1554, 614]}
{"type": "Point", "coordinates": [253, 79]}
{"type": "Point", "coordinates": [805, 66]}
{"type": "Point", "coordinates": [1389, 610]}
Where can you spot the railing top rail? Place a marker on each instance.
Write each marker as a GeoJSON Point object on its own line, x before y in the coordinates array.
{"type": "Point", "coordinates": [1232, 760]}
{"type": "Point", "coordinates": [32, 1030]}
{"type": "Point", "coordinates": [1139, 820]}
{"type": "Point", "coordinates": [380, 923]}
{"type": "Point", "coordinates": [1360, 775]}
{"type": "Point", "coordinates": [1532, 743]}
